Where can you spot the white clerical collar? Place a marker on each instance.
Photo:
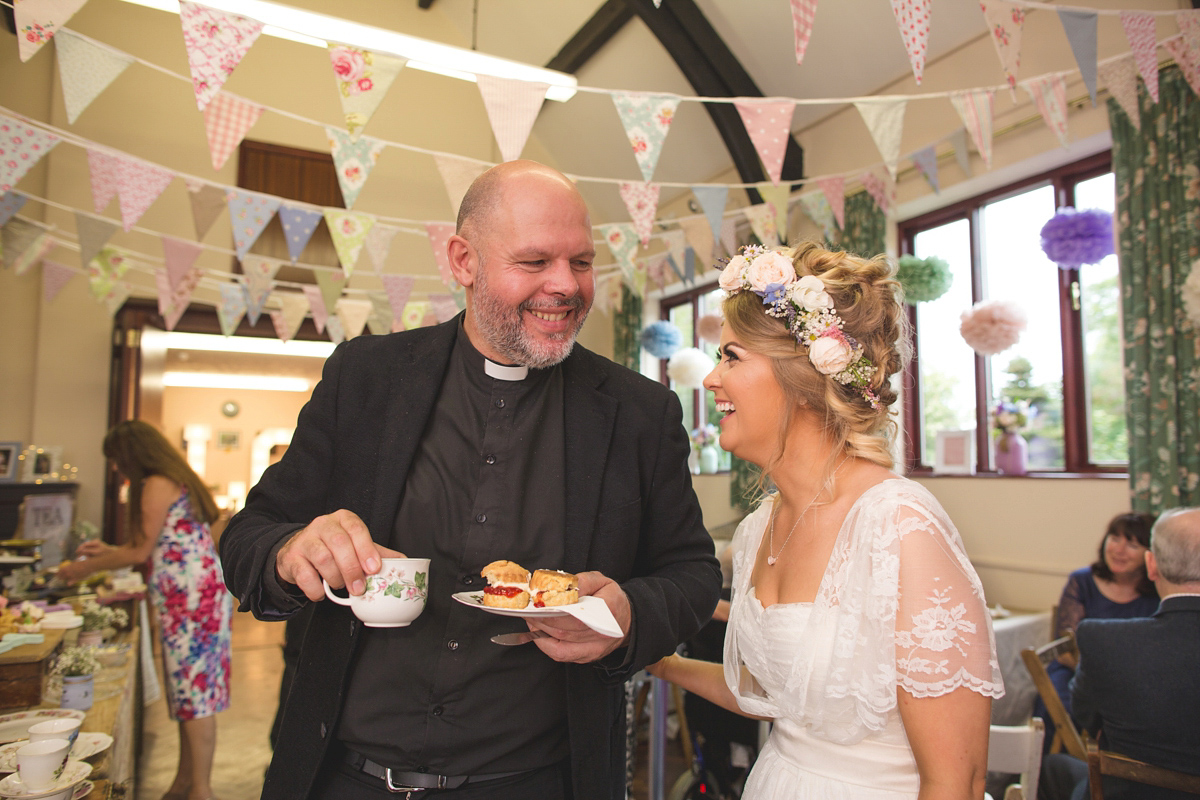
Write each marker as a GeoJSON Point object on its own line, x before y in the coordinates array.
{"type": "Point", "coordinates": [503, 373]}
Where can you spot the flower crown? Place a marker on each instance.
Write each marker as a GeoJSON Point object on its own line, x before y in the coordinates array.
{"type": "Point", "coordinates": [807, 310]}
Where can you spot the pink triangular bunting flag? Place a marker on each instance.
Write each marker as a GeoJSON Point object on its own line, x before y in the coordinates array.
{"type": "Point", "coordinates": [729, 235]}
{"type": "Point", "coordinates": [1188, 63]}
{"type": "Point", "coordinates": [226, 121]}
{"type": "Point", "coordinates": [1120, 78]}
{"type": "Point", "coordinates": [512, 106]}
{"type": "Point", "coordinates": [439, 234]}
{"type": "Point", "coordinates": [139, 183]}
{"type": "Point", "coordinates": [179, 256]}
{"type": "Point", "coordinates": [1189, 26]}
{"type": "Point", "coordinates": [1049, 94]}
{"type": "Point", "coordinates": [173, 299]}
{"type": "Point", "coordinates": [54, 278]}
{"type": "Point", "coordinates": [641, 199]}
{"type": "Point", "coordinates": [1005, 22]}
{"type": "Point", "coordinates": [21, 146]}
{"type": "Point", "coordinates": [769, 124]}
{"type": "Point", "coordinates": [803, 12]}
{"type": "Point", "coordinates": [879, 190]}
{"type": "Point", "coordinates": [38, 20]}
{"type": "Point", "coordinates": [975, 108]}
{"type": "Point", "coordinates": [102, 167]}
{"type": "Point", "coordinates": [398, 288]}
{"type": "Point", "coordinates": [834, 189]}
{"type": "Point", "coordinates": [216, 42]}
{"type": "Point", "coordinates": [912, 18]}
{"type": "Point", "coordinates": [1140, 31]}
{"type": "Point", "coordinates": [316, 304]}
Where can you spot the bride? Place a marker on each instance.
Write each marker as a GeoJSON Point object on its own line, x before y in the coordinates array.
{"type": "Point", "coordinates": [857, 623]}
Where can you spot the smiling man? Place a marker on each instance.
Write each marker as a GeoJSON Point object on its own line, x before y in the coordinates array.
{"type": "Point", "coordinates": [490, 437]}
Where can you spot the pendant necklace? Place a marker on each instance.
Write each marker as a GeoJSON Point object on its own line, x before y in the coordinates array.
{"type": "Point", "coordinates": [771, 559]}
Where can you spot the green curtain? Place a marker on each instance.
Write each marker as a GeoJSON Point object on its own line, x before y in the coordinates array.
{"type": "Point", "coordinates": [627, 330]}
{"type": "Point", "coordinates": [743, 478]}
{"type": "Point", "coordinates": [865, 233]}
{"type": "Point", "coordinates": [1157, 174]}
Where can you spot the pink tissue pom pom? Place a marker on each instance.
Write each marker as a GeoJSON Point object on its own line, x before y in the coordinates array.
{"type": "Point", "coordinates": [709, 328]}
{"type": "Point", "coordinates": [992, 326]}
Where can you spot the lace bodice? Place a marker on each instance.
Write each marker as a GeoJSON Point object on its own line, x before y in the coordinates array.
{"type": "Point", "coordinates": [899, 606]}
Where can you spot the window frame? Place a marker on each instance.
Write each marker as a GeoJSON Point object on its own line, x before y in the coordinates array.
{"type": "Point", "coordinates": [665, 306]}
{"type": "Point", "coordinates": [1077, 461]}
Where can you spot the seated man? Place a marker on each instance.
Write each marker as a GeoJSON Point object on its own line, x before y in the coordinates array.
{"type": "Point", "coordinates": [1136, 690]}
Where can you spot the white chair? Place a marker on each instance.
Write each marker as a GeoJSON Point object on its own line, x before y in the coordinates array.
{"type": "Point", "coordinates": [1017, 748]}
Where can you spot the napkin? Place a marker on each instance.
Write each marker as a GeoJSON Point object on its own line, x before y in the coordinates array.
{"type": "Point", "coordinates": [593, 612]}
{"type": "Point", "coordinates": [11, 640]}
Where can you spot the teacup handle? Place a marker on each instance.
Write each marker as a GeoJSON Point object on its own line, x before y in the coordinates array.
{"type": "Point", "coordinates": [341, 601]}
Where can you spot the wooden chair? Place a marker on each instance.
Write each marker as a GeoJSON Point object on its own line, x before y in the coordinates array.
{"type": "Point", "coordinates": [1101, 762]}
{"type": "Point", "coordinates": [1017, 748]}
{"type": "Point", "coordinates": [1065, 735]}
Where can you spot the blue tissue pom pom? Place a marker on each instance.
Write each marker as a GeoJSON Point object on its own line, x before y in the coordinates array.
{"type": "Point", "coordinates": [661, 339]}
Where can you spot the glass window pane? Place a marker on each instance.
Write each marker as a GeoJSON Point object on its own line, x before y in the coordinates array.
{"type": "Point", "coordinates": [681, 316]}
{"type": "Point", "coordinates": [1016, 269]}
{"type": "Point", "coordinates": [946, 365]}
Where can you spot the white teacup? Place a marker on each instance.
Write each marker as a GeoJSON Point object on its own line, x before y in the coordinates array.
{"type": "Point", "coordinates": [394, 596]}
{"type": "Point", "coordinates": [65, 728]}
{"type": "Point", "coordinates": [41, 763]}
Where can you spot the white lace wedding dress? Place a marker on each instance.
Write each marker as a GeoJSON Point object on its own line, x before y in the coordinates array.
{"type": "Point", "coordinates": [899, 606]}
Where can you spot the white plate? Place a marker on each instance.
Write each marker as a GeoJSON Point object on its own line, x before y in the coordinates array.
{"type": "Point", "coordinates": [87, 744]}
{"type": "Point", "coordinates": [72, 775]}
{"type": "Point", "coordinates": [16, 726]}
{"type": "Point", "coordinates": [476, 599]}
{"type": "Point", "coordinates": [65, 622]}
{"type": "Point", "coordinates": [591, 611]}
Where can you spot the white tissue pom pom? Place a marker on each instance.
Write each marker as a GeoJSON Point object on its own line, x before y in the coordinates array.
{"type": "Point", "coordinates": [709, 328]}
{"type": "Point", "coordinates": [688, 367]}
{"type": "Point", "coordinates": [992, 326]}
{"type": "Point", "coordinates": [1190, 292]}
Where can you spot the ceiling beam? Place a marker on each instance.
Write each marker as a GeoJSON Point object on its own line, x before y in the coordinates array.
{"type": "Point", "coordinates": [594, 34]}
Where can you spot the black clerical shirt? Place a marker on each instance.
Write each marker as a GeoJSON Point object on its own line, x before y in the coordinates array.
{"type": "Point", "coordinates": [487, 483]}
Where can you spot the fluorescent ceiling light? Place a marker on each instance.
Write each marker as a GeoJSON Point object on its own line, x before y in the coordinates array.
{"type": "Point", "coordinates": [310, 27]}
{"type": "Point", "coordinates": [217, 380]}
{"type": "Point", "coordinates": [174, 340]}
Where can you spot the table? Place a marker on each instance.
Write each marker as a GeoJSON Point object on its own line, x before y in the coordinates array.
{"type": "Point", "coordinates": [1014, 634]}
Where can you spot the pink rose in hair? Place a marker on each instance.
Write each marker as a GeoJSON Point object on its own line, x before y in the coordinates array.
{"type": "Point", "coordinates": [830, 355]}
{"type": "Point", "coordinates": [731, 276]}
{"type": "Point", "coordinates": [348, 63]}
{"type": "Point", "coordinates": [770, 267]}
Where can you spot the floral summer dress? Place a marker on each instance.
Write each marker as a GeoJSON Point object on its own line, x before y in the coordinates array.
{"type": "Point", "coordinates": [194, 612]}
{"type": "Point", "coordinates": [899, 606]}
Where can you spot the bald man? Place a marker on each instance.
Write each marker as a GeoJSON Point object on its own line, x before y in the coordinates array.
{"type": "Point", "coordinates": [492, 436]}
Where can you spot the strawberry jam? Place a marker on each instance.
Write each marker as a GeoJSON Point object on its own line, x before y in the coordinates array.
{"type": "Point", "coordinates": [504, 591]}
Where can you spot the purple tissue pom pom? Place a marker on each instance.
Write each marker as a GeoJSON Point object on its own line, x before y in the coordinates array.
{"type": "Point", "coordinates": [1072, 237]}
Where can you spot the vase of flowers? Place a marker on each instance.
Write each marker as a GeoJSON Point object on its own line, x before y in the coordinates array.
{"type": "Point", "coordinates": [704, 446]}
{"type": "Point", "coordinates": [1012, 451]}
{"type": "Point", "coordinates": [96, 619]}
{"type": "Point", "coordinates": [77, 667]}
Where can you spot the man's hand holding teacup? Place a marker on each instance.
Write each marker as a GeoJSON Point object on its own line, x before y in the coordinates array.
{"type": "Point", "coordinates": [571, 641]}
{"type": "Point", "coordinates": [337, 547]}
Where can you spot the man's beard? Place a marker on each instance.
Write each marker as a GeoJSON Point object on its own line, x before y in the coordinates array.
{"type": "Point", "coordinates": [503, 328]}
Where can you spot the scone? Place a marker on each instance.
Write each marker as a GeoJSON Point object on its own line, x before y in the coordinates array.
{"type": "Point", "coordinates": [507, 585]}
{"type": "Point", "coordinates": [551, 587]}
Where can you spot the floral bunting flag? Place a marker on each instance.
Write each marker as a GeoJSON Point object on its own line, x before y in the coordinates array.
{"type": "Point", "coordinates": [226, 121]}
{"type": "Point", "coordinates": [249, 214]}
{"type": "Point", "coordinates": [10, 204]}
{"type": "Point", "coordinates": [701, 239]}
{"type": "Point", "coordinates": [330, 282]}
{"type": "Point", "coordinates": [925, 160]}
{"type": "Point", "coordinates": [728, 236]}
{"type": "Point", "coordinates": [399, 289]}
{"type": "Point", "coordinates": [1188, 61]}
{"type": "Point", "coordinates": [363, 78]}
{"type": "Point", "coordinates": [712, 201]}
{"type": "Point", "coordinates": [316, 304]}
{"type": "Point", "coordinates": [834, 189]}
{"type": "Point", "coordinates": [1140, 31]}
{"type": "Point", "coordinates": [179, 256]}
{"type": "Point", "coordinates": [803, 12]}
{"type": "Point", "coordinates": [439, 234]}
{"type": "Point", "coordinates": [298, 226]}
{"type": "Point", "coordinates": [231, 308]}
{"type": "Point", "coordinates": [102, 169]}
{"type": "Point", "coordinates": [54, 277]}
{"type": "Point", "coordinates": [288, 318]}
{"type": "Point", "coordinates": [21, 146]}
{"type": "Point", "coordinates": [105, 270]}
{"type": "Point", "coordinates": [417, 314]}
{"type": "Point", "coordinates": [621, 238]}
{"type": "Point", "coordinates": [647, 119]}
{"type": "Point", "coordinates": [216, 42]}
{"type": "Point", "coordinates": [349, 231]}
{"type": "Point", "coordinates": [777, 198]}
{"type": "Point", "coordinates": [85, 70]}
{"type": "Point", "coordinates": [260, 282]}
{"type": "Point", "coordinates": [913, 18]}
{"type": "Point", "coordinates": [879, 189]}
{"type": "Point", "coordinates": [1005, 21]}
{"type": "Point", "coordinates": [975, 109]}
{"type": "Point", "coordinates": [379, 242]}
{"type": "Point", "coordinates": [1080, 28]}
{"type": "Point", "coordinates": [174, 300]}
{"type": "Point", "coordinates": [1189, 26]}
{"type": "Point", "coordinates": [612, 293]}
{"type": "Point", "coordinates": [885, 121]}
{"type": "Point", "coordinates": [334, 329]}
{"type": "Point", "coordinates": [116, 297]}
{"type": "Point", "coordinates": [1049, 94]}
{"type": "Point", "coordinates": [769, 124]}
{"type": "Point", "coordinates": [381, 319]}
{"type": "Point", "coordinates": [353, 160]}
{"type": "Point", "coordinates": [92, 234]}
{"type": "Point", "coordinates": [457, 174]}
{"type": "Point", "coordinates": [443, 305]}
{"type": "Point", "coordinates": [1120, 78]}
{"type": "Point", "coordinates": [762, 222]}
{"type": "Point", "coordinates": [958, 140]}
{"type": "Point", "coordinates": [38, 20]}
{"type": "Point", "coordinates": [139, 183]}
{"type": "Point", "coordinates": [656, 270]}
{"type": "Point", "coordinates": [816, 206]}
{"type": "Point", "coordinates": [207, 201]}
{"type": "Point", "coordinates": [641, 199]}
{"type": "Point", "coordinates": [512, 106]}
{"type": "Point", "coordinates": [353, 314]}
{"type": "Point", "coordinates": [24, 244]}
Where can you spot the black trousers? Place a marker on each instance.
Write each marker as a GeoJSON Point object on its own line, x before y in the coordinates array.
{"type": "Point", "coordinates": [340, 781]}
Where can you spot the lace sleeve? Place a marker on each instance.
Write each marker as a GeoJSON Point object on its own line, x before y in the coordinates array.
{"type": "Point", "coordinates": [944, 634]}
{"type": "Point", "coordinates": [1071, 610]}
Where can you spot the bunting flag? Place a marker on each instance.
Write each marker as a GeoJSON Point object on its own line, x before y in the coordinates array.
{"type": "Point", "coordinates": [816, 206]}
{"type": "Point", "coordinates": [975, 108]}
{"type": "Point", "coordinates": [777, 198]}
{"type": "Point", "coordinates": [712, 202]}
{"type": "Point", "coordinates": [85, 70]}
{"type": "Point", "coordinates": [179, 256]}
{"type": "Point", "coordinates": [330, 283]}
{"type": "Point", "coordinates": [1188, 61]}
{"type": "Point", "coordinates": [298, 226]}
{"type": "Point", "coordinates": [379, 242]}
{"type": "Point", "coordinates": [353, 160]}
{"type": "Point", "coordinates": [610, 294]}
{"type": "Point", "coordinates": [1005, 21]}
{"type": "Point", "coordinates": [958, 140]}
{"type": "Point", "coordinates": [10, 204]}
{"type": "Point", "coordinates": [912, 17]}
{"type": "Point", "coordinates": [289, 317]}
{"type": "Point", "coordinates": [925, 160]}
{"type": "Point", "coordinates": [1189, 26]}
{"type": "Point", "coordinates": [399, 289]}
{"type": "Point", "coordinates": [226, 121]}
{"type": "Point", "coordinates": [24, 244]}
{"type": "Point", "coordinates": [102, 169]}
{"type": "Point", "coordinates": [439, 234]}
{"type": "Point", "coordinates": [38, 20]}
{"type": "Point", "coordinates": [173, 300]}
{"type": "Point", "coordinates": [106, 270]}
{"type": "Point", "coordinates": [700, 237]}
{"type": "Point", "coordinates": [316, 304]}
{"type": "Point", "coordinates": [443, 305]}
{"type": "Point", "coordinates": [512, 106]}
{"type": "Point", "coordinates": [1140, 31]}
{"type": "Point", "coordinates": [363, 77]}
{"type": "Point", "coordinates": [1049, 94]}
{"type": "Point", "coordinates": [641, 199]}
{"type": "Point", "coordinates": [621, 238]}
{"type": "Point", "coordinates": [769, 124]}
{"type": "Point", "coordinates": [260, 282]}
{"type": "Point", "coordinates": [139, 184]}
{"type": "Point", "coordinates": [656, 270]}
{"type": "Point", "coordinates": [232, 306]}
{"type": "Point", "coordinates": [647, 119]}
{"type": "Point", "coordinates": [334, 329]}
{"type": "Point", "coordinates": [381, 320]}
{"type": "Point", "coordinates": [457, 174]}
{"type": "Point", "coordinates": [676, 243]}
{"type": "Point", "coordinates": [116, 297]}
{"type": "Point", "coordinates": [1120, 78]}
{"type": "Point", "coordinates": [207, 201]}
{"type": "Point", "coordinates": [216, 42]}
{"type": "Point", "coordinates": [879, 190]}
{"type": "Point", "coordinates": [1080, 28]}
{"type": "Point", "coordinates": [729, 235]}
{"type": "Point", "coordinates": [353, 314]}
{"type": "Point", "coordinates": [21, 146]}
{"type": "Point", "coordinates": [834, 189]}
{"type": "Point", "coordinates": [54, 277]}
{"type": "Point", "coordinates": [417, 314]}
{"type": "Point", "coordinates": [803, 12]}
{"type": "Point", "coordinates": [885, 121]}
{"type": "Point", "coordinates": [762, 222]}
{"type": "Point", "coordinates": [249, 214]}
{"type": "Point", "coordinates": [349, 231]}
{"type": "Point", "coordinates": [92, 234]}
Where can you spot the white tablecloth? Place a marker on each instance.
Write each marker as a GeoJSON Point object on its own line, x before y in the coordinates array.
{"type": "Point", "coordinates": [1014, 634]}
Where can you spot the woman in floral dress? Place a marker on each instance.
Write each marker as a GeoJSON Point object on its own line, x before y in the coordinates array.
{"type": "Point", "coordinates": [170, 510]}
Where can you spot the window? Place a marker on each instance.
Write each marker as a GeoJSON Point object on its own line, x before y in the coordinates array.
{"type": "Point", "coordinates": [1065, 370]}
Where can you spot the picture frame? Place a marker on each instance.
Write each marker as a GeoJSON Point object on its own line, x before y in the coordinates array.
{"type": "Point", "coordinates": [955, 453]}
{"type": "Point", "coordinates": [41, 463]}
{"type": "Point", "coordinates": [229, 440]}
{"type": "Point", "coordinates": [10, 457]}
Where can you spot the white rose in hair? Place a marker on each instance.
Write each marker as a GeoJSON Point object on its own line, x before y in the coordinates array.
{"type": "Point", "coordinates": [809, 293]}
{"type": "Point", "coordinates": [770, 267]}
{"type": "Point", "coordinates": [830, 355]}
{"type": "Point", "coordinates": [731, 276]}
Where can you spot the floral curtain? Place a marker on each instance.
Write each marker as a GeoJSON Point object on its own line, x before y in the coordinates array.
{"type": "Point", "coordinates": [1157, 174]}
{"type": "Point", "coordinates": [627, 330]}
{"type": "Point", "coordinates": [865, 233]}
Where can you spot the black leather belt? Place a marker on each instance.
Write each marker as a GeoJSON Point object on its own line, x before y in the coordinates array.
{"type": "Point", "coordinates": [400, 782]}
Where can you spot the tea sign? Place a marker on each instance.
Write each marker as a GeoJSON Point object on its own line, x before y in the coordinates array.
{"type": "Point", "coordinates": [48, 517]}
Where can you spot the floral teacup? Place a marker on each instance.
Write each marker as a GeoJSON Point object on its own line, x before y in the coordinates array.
{"type": "Point", "coordinates": [394, 596]}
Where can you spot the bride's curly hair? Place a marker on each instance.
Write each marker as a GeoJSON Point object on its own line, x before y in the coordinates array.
{"type": "Point", "coordinates": [870, 302]}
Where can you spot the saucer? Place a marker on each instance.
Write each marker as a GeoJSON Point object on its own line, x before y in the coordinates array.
{"type": "Point", "coordinates": [16, 726]}
{"type": "Point", "coordinates": [11, 787]}
{"type": "Point", "coordinates": [86, 745]}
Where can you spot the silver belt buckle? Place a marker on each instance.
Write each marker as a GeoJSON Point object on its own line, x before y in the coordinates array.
{"type": "Point", "coordinates": [394, 789]}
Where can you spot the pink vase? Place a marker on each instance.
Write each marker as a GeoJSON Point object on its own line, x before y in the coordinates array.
{"type": "Point", "coordinates": [1012, 453]}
